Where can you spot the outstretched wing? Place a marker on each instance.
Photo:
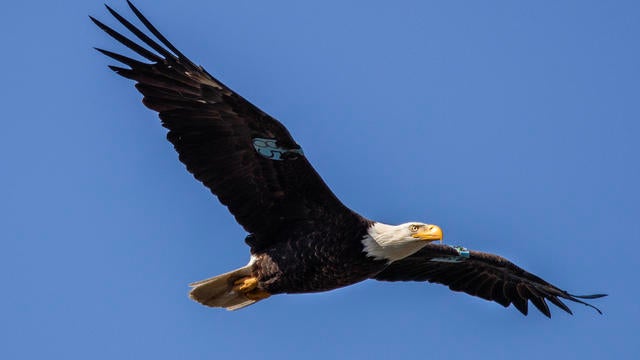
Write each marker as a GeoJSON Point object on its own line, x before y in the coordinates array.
{"type": "Point", "coordinates": [485, 275]}
{"type": "Point", "coordinates": [244, 156]}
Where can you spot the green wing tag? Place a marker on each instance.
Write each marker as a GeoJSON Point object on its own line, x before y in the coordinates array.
{"type": "Point", "coordinates": [462, 251]}
{"type": "Point", "coordinates": [463, 254]}
{"type": "Point", "coordinates": [269, 149]}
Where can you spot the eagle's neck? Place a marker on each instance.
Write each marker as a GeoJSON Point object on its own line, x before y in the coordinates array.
{"type": "Point", "coordinates": [389, 242]}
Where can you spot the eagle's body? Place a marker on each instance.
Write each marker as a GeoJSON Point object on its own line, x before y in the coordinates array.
{"type": "Point", "coordinates": [302, 238]}
{"type": "Point", "coordinates": [320, 260]}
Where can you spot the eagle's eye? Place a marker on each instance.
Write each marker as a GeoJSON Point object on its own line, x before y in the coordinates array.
{"type": "Point", "coordinates": [413, 227]}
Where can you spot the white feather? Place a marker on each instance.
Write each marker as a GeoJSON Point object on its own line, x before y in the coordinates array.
{"type": "Point", "coordinates": [391, 242]}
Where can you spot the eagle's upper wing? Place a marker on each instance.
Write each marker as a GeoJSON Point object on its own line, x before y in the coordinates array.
{"type": "Point", "coordinates": [488, 276]}
{"type": "Point", "coordinates": [244, 156]}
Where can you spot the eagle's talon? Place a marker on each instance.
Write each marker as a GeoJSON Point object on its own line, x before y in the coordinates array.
{"type": "Point", "coordinates": [245, 284]}
{"type": "Point", "coordinates": [248, 287]}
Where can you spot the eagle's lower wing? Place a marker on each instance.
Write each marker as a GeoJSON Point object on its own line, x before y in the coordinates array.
{"type": "Point", "coordinates": [243, 155]}
{"type": "Point", "coordinates": [485, 275]}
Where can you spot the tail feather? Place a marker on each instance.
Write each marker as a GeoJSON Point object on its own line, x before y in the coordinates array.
{"type": "Point", "coordinates": [218, 290]}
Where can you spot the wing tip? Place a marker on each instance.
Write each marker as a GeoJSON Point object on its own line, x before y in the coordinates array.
{"type": "Point", "coordinates": [590, 296]}
{"type": "Point", "coordinates": [131, 5]}
{"type": "Point", "coordinates": [576, 298]}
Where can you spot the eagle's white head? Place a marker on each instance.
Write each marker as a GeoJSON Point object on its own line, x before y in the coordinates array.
{"type": "Point", "coordinates": [395, 242]}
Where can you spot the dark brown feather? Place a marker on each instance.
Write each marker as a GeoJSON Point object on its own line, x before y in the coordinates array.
{"type": "Point", "coordinates": [485, 275]}
{"type": "Point", "coordinates": [212, 129]}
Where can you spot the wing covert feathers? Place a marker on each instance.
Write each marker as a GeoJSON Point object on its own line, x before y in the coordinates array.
{"type": "Point", "coordinates": [484, 275]}
{"type": "Point", "coordinates": [212, 128]}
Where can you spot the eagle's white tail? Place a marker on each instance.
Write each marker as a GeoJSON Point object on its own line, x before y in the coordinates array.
{"type": "Point", "coordinates": [218, 290]}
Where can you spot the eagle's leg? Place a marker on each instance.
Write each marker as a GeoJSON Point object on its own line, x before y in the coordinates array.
{"type": "Point", "coordinates": [248, 286]}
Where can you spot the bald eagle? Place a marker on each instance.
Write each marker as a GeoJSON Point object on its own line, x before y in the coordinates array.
{"type": "Point", "coordinates": [302, 238]}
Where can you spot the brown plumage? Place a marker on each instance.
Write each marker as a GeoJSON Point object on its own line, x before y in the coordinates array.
{"type": "Point", "coordinates": [212, 128]}
{"type": "Point", "coordinates": [485, 275]}
{"type": "Point", "coordinates": [302, 238]}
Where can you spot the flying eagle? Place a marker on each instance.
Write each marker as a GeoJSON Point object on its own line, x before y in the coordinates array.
{"type": "Point", "coordinates": [302, 238]}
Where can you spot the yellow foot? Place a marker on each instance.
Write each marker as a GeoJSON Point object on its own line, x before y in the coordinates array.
{"type": "Point", "coordinates": [248, 286]}
{"type": "Point", "coordinates": [245, 284]}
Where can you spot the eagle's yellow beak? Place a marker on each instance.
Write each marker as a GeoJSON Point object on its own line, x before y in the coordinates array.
{"type": "Point", "coordinates": [429, 233]}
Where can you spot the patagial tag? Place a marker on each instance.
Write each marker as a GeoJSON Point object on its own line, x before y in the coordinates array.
{"type": "Point", "coordinates": [270, 149]}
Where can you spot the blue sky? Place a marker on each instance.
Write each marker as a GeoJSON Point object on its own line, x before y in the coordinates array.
{"type": "Point", "coordinates": [513, 126]}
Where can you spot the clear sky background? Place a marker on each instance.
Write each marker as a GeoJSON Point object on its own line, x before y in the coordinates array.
{"type": "Point", "coordinates": [513, 126]}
